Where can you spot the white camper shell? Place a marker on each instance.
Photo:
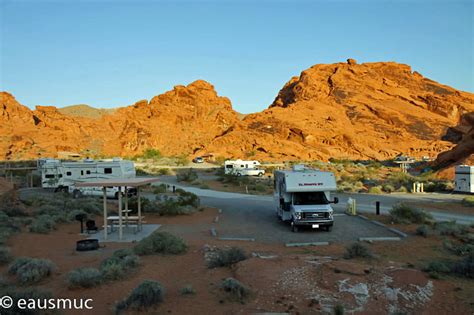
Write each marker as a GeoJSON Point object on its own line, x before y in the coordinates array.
{"type": "Point", "coordinates": [62, 176]}
{"type": "Point", "coordinates": [302, 197]}
{"type": "Point", "coordinates": [243, 168]}
{"type": "Point", "coordinates": [464, 179]}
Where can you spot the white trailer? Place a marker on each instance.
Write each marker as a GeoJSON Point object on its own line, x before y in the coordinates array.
{"type": "Point", "coordinates": [464, 179]}
{"type": "Point", "coordinates": [302, 197]}
{"type": "Point", "coordinates": [243, 168]}
{"type": "Point", "coordinates": [62, 176]}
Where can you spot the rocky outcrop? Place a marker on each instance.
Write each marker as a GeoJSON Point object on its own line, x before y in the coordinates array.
{"type": "Point", "coordinates": [343, 110]}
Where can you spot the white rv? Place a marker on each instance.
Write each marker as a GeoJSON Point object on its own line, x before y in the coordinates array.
{"type": "Point", "coordinates": [464, 179]}
{"type": "Point", "coordinates": [62, 176]}
{"type": "Point", "coordinates": [302, 197]}
{"type": "Point", "coordinates": [243, 168]}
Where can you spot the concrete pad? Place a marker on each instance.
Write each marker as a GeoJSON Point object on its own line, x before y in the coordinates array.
{"type": "Point", "coordinates": [376, 239]}
{"type": "Point", "coordinates": [248, 239]}
{"type": "Point", "coordinates": [128, 234]}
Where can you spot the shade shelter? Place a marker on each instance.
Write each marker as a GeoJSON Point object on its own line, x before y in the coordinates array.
{"type": "Point", "coordinates": [123, 184]}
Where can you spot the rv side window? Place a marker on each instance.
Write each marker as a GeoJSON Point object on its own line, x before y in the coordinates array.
{"type": "Point", "coordinates": [49, 176]}
{"type": "Point", "coordinates": [82, 172]}
{"type": "Point", "coordinates": [60, 175]}
{"type": "Point", "coordinates": [229, 166]}
{"type": "Point", "coordinates": [242, 166]}
{"type": "Point", "coordinates": [68, 173]}
{"type": "Point", "coordinates": [108, 170]}
{"type": "Point", "coordinates": [88, 172]}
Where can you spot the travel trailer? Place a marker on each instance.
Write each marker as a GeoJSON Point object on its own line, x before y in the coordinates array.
{"type": "Point", "coordinates": [62, 176]}
{"type": "Point", "coordinates": [302, 197]}
{"type": "Point", "coordinates": [464, 179]}
{"type": "Point", "coordinates": [243, 168]}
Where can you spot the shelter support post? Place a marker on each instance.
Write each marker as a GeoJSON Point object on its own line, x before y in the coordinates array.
{"type": "Point", "coordinates": [120, 212]}
{"type": "Point", "coordinates": [104, 190]}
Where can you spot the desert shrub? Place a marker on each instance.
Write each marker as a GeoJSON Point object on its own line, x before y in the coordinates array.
{"type": "Point", "coordinates": [84, 278]}
{"type": "Point", "coordinates": [462, 249]}
{"type": "Point", "coordinates": [160, 243]}
{"type": "Point", "coordinates": [187, 290]}
{"type": "Point", "coordinates": [422, 230]}
{"type": "Point", "coordinates": [259, 188]}
{"type": "Point", "coordinates": [204, 186]}
{"type": "Point", "coordinates": [159, 189]}
{"type": "Point", "coordinates": [164, 171]}
{"type": "Point", "coordinates": [375, 190]}
{"type": "Point", "coordinates": [464, 267]}
{"type": "Point", "coordinates": [468, 201]}
{"type": "Point", "coordinates": [402, 213]}
{"type": "Point", "coordinates": [5, 255]}
{"type": "Point", "coordinates": [188, 176]}
{"type": "Point", "coordinates": [402, 189]}
{"type": "Point", "coordinates": [227, 257]}
{"type": "Point", "coordinates": [119, 264]}
{"type": "Point", "coordinates": [186, 198]}
{"type": "Point", "coordinates": [43, 224]}
{"type": "Point", "coordinates": [8, 227]}
{"type": "Point", "coordinates": [451, 228]}
{"type": "Point", "coordinates": [400, 179]}
{"type": "Point", "coordinates": [146, 205]}
{"type": "Point", "coordinates": [147, 294]}
{"type": "Point", "coordinates": [338, 309]}
{"type": "Point", "coordinates": [31, 270]}
{"type": "Point", "coordinates": [235, 290]}
{"type": "Point", "coordinates": [388, 188]}
{"type": "Point", "coordinates": [356, 250]}
{"type": "Point", "coordinates": [151, 154]}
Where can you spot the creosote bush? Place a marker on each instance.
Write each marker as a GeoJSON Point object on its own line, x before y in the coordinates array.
{"type": "Point", "coordinates": [227, 257]}
{"type": "Point", "coordinates": [235, 290]}
{"type": "Point", "coordinates": [119, 265]}
{"type": "Point", "coordinates": [356, 250]}
{"type": "Point", "coordinates": [188, 176]}
{"type": "Point", "coordinates": [5, 255]}
{"type": "Point", "coordinates": [422, 230]}
{"type": "Point", "coordinates": [147, 294]}
{"type": "Point", "coordinates": [405, 214]}
{"type": "Point", "coordinates": [468, 201]}
{"type": "Point", "coordinates": [31, 270]}
{"type": "Point", "coordinates": [160, 243]}
{"type": "Point", "coordinates": [187, 290]}
{"type": "Point", "coordinates": [84, 278]}
{"type": "Point", "coordinates": [375, 190]}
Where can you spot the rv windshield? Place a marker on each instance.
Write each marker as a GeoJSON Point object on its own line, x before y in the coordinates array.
{"type": "Point", "coordinates": [310, 198]}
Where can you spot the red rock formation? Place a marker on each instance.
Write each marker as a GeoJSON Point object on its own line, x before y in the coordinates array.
{"type": "Point", "coordinates": [343, 110]}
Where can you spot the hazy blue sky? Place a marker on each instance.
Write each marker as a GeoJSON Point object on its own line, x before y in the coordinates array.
{"type": "Point", "coordinates": [113, 53]}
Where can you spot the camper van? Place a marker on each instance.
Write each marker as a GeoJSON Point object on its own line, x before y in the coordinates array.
{"type": "Point", "coordinates": [302, 197]}
{"type": "Point", "coordinates": [464, 179]}
{"type": "Point", "coordinates": [243, 168]}
{"type": "Point", "coordinates": [62, 176]}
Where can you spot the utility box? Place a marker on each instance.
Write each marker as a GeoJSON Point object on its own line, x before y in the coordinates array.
{"type": "Point", "coordinates": [464, 179]}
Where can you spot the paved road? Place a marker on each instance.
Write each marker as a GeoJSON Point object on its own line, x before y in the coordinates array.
{"type": "Point", "coordinates": [365, 202]}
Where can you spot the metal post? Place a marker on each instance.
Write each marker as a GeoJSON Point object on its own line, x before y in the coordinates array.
{"type": "Point", "coordinates": [126, 206]}
{"type": "Point", "coordinates": [377, 207]}
{"type": "Point", "coordinates": [120, 212]}
{"type": "Point", "coordinates": [104, 190]}
{"type": "Point", "coordinates": [174, 189]}
{"type": "Point", "coordinates": [139, 208]}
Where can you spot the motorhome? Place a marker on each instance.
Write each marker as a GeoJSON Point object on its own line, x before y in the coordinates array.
{"type": "Point", "coordinates": [62, 176]}
{"type": "Point", "coordinates": [302, 197]}
{"type": "Point", "coordinates": [243, 168]}
{"type": "Point", "coordinates": [464, 179]}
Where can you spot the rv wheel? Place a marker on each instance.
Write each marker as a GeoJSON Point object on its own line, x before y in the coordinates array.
{"type": "Point", "coordinates": [238, 174]}
{"type": "Point", "coordinates": [76, 194]}
{"type": "Point", "coordinates": [294, 228]}
{"type": "Point", "coordinates": [260, 174]}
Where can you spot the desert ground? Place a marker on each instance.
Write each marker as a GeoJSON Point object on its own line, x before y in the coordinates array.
{"type": "Point", "coordinates": [397, 274]}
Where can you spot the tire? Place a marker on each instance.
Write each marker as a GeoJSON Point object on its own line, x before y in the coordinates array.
{"type": "Point", "coordinates": [76, 194]}
{"type": "Point", "coordinates": [260, 174]}
{"type": "Point", "coordinates": [294, 228]}
{"type": "Point", "coordinates": [238, 174]}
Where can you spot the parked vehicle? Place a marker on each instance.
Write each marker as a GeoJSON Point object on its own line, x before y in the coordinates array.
{"type": "Point", "coordinates": [302, 197]}
{"type": "Point", "coordinates": [62, 176]}
{"type": "Point", "coordinates": [240, 167]}
{"type": "Point", "coordinates": [250, 172]}
{"type": "Point", "coordinates": [198, 160]}
{"type": "Point", "coordinates": [464, 179]}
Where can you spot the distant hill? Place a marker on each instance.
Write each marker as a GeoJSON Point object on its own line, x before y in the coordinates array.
{"type": "Point", "coordinates": [83, 110]}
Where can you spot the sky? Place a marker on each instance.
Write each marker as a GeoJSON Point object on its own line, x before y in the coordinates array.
{"type": "Point", "coordinates": [113, 53]}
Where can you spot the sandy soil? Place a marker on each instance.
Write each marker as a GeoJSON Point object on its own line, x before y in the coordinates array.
{"type": "Point", "coordinates": [294, 280]}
